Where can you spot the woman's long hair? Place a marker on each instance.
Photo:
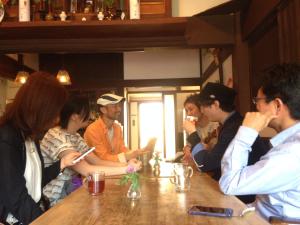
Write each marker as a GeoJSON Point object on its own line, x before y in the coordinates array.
{"type": "Point", "coordinates": [36, 105]}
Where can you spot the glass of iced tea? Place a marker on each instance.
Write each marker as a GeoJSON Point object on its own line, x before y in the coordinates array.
{"type": "Point", "coordinates": [96, 182]}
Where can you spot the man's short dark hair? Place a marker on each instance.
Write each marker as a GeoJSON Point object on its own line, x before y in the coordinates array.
{"type": "Point", "coordinates": [216, 91]}
{"type": "Point", "coordinates": [283, 81]}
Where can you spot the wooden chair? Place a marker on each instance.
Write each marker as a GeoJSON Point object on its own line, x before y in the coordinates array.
{"type": "Point", "coordinates": [283, 221]}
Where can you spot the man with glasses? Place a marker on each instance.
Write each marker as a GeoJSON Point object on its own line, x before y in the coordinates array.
{"type": "Point", "coordinates": [275, 178]}
{"type": "Point", "coordinates": [217, 104]}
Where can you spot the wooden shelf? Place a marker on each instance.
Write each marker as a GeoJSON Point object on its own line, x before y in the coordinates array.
{"type": "Point", "coordinates": [91, 36]}
{"type": "Point", "coordinates": [116, 35]}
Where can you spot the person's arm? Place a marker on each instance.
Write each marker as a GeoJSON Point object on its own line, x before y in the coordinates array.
{"type": "Point", "coordinates": [84, 168]}
{"type": "Point", "coordinates": [273, 173]}
{"type": "Point", "coordinates": [211, 160]}
{"type": "Point", "coordinates": [53, 170]}
{"type": "Point", "coordinates": [193, 137]}
{"type": "Point", "coordinates": [93, 159]}
{"type": "Point", "coordinates": [13, 192]}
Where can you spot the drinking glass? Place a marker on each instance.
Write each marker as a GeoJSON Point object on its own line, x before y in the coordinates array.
{"type": "Point", "coordinates": [96, 182]}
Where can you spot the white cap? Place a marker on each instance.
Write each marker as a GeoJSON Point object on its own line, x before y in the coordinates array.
{"type": "Point", "coordinates": [108, 99]}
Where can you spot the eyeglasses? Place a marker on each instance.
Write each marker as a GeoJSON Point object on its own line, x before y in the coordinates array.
{"type": "Point", "coordinates": [256, 99]}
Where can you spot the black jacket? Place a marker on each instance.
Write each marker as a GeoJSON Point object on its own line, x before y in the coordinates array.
{"type": "Point", "coordinates": [211, 160]}
{"type": "Point", "coordinates": [14, 197]}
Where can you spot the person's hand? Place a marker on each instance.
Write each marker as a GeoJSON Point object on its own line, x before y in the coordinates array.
{"type": "Point", "coordinates": [150, 145]}
{"type": "Point", "coordinates": [131, 154]}
{"type": "Point", "coordinates": [257, 120]}
{"type": "Point", "coordinates": [187, 157]}
{"type": "Point", "coordinates": [189, 126]}
{"type": "Point", "coordinates": [67, 159]}
{"type": "Point", "coordinates": [136, 164]}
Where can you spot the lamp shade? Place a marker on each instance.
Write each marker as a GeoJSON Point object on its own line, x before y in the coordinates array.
{"type": "Point", "coordinates": [22, 77]}
{"type": "Point", "coordinates": [63, 77]}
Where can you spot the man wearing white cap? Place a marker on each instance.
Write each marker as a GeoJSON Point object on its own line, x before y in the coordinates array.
{"type": "Point", "coordinates": [106, 135]}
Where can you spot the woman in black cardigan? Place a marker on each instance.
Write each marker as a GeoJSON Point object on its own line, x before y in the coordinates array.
{"type": "Point", "coordinates": [34, 110]}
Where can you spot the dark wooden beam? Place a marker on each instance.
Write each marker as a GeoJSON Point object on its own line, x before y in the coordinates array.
{"type": "Point", "coordinates": [10, 67]}
{"type": "Point", "coordinates": [210, 31]}
{"type": "Point", "coordinates": [241, 72]}
{"type": "Point", "coordinates": [91, 36]}
{"type": "Point", "coordinates": [91, 45]}
{"type": "Point", "coordinates": [257, 12]}
{"type": "Point", "coordinates": [115, 36]}
{"type": "Point", "coordinates": [225, 8]}
{"type": "Point", "coordinates": [222, 55]}
{"type": "Point", "coordinates": [111, 84]}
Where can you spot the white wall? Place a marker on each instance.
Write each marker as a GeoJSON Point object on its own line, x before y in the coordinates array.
{"type": "Point", "coordinates": [162, 63]}
{"type": "Point", "coordinates": [11, 90]}
{"type": "Point", "coordinates": [192, 7]}
{"type": "Point", "coordinates": [8, 88]}
{"type": "Point", "coordinates": [227, 69]}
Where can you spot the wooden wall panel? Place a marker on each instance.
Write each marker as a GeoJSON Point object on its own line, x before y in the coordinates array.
{"type": "Point", "coordinates": [263, 54]}
{"type": "Point", "coordinates": [153, 8]}
{"type": "Point", "coordinates": [86, 70]}
{"type": "Point", "coordinates": [156, 8]}
{"type": "Point", "coordinates": [289, 31]}
{"type": "Point", "coordinates": [257, 12]}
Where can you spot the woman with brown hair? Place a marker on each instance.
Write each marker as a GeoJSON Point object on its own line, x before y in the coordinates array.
{"type": "Point", "coordinates": [34, 110]}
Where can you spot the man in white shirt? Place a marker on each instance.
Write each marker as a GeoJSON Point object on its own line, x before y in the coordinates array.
{"type": "Point", "coordinates": [275, 178]}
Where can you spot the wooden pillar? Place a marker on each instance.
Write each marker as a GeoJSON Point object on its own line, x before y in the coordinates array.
{"type": "Point", "coordinates": [288, 18]}
{"type": "Point", "coordinates": [241, 73]}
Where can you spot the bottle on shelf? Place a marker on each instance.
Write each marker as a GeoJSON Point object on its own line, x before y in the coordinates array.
{"type": "Point", "coordinates": [24, 10]}
{"type": "Point", "coordinates": [134, 8]}
{"type": "Point", "coordinates": [73, 6]}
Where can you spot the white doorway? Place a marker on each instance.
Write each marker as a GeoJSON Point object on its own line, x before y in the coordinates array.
{"type": "Point", "coordinates": [156, 112]}
{"type": "Point", "coordinates": [151, 124]}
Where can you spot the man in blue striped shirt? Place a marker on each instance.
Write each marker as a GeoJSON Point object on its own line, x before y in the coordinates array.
{"type": "Point", "coordinates": [275, 178]}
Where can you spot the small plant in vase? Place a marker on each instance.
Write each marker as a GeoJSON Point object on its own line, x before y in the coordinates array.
{"type": "Point", "coordinates": [156, 166]}
{"type": "Point", "coordinates": [110, 11]}
{"type": "Point", "coordinates": [157, 159]}
{"type": "Point", "coordinates": [133, 177]}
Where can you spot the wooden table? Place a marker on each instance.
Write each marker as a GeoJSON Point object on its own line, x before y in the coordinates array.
{"type": "Point", "coordinates": [160, 204]}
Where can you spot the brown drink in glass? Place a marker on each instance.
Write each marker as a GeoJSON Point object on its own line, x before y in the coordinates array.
{"type": "Point", "coordinates": [96, 183]}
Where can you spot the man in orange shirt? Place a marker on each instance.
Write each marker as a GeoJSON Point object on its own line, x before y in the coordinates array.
{"type": "Point", "coordinates": [106, 135]}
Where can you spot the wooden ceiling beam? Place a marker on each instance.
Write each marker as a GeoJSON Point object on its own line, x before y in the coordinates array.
{"type": "Point", "coordinates": [256, 13]}
{"type": "Point", "coordinates": [10, 67]}
{"type": "Point", "coordinates": [210, 31]}
{"type": "Point", "coordinates": [223, 54]}
{"type": "Point", "coordinates": [138, 83]}
{"type": "Point", "coordinates": [115, 36]}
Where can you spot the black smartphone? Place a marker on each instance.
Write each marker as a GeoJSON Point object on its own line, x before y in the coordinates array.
{"type": "Point", "coordinates": [210, 211]}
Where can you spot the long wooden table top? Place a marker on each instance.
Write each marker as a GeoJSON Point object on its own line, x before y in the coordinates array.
{"type": "Point", "coordinates": [159, 204]}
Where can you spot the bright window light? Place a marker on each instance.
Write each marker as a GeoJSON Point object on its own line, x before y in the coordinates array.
{"type": "Point", "coordinates": [151, 124]}
{"type": "Point", "coordinates": [169, 109]}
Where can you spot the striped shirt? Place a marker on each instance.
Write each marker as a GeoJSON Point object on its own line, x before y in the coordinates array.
{"type": "Point", "coordinates": [54, 142]}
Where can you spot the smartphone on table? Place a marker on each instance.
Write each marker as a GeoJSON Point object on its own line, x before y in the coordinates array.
{"type": "Point", "coordinates": [210, 211]}
{"type": "Point", "coordinates": [83, 155]}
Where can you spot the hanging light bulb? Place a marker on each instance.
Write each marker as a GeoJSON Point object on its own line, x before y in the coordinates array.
{"type": "Point", "coordinates": [22, 77]}
{"type": "Point", "coordinates": [63, 77]}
